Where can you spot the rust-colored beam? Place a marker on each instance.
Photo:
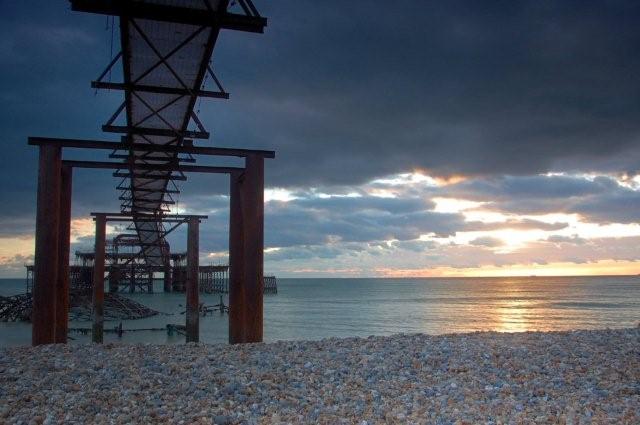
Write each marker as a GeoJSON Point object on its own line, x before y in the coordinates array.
{"type": "Point", "coordinates": [152, 167]}
{"type": "Point", "coordinates": [246, 253]}
{"type": "Point", "coordinates": [151, 131]}
{"type": "Point", "coordinates": [147, 216]}
{"type": "Point", "coordinates": [45, 269]}
{"type": "Point", "coordinates": [149, 177]}
{"type": "Point", "coordinates": [193, 302]}
{"type": "Point", "coordinates": [64, 245]}
{"type": "Point", "coordinates": [167, 277]}
{"type": "Point", "coordinates": [98, 280]}
{"type": "Point", "coordinates": [170, 13]}
{"type": "Point", "coordinates": [236, 263]}
{"type": "Point", "coordinates": [149, 158]}
{"type": "Point", "coordinates": [186, 148]}
{"type": "Point", "coordinates": [253, 186]}
{"type": "Point", "coordinates": [157, 89]}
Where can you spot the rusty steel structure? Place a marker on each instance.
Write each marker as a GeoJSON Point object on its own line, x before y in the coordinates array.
{"type": "Point", "coordinates": [166, 50]}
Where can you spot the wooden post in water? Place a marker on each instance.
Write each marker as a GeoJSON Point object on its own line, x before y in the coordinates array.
{"type": "Point", "coordinates": [132, 278]}
{"type": "Point", "coordinates": [246, 245]}
{"type": "Point", "coordinates": [45, 271]}
{"type": "Point", "coordinates": [98, 280]}
{"type": "Point", "coordinates": [167, 277]}
{"type": "Point", "coordinates": [64, 243]}
{"type": "Point", "coordinates": [193, 302]}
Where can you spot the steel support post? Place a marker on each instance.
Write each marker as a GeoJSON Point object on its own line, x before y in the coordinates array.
{"type": "Point", "coordinates": [167, 277]}
{"type": "Point", "coordinates": [45, 271]}
{"type": "Point", "coordinates": [64, 242]}
{"type": "Point", "coordinates": [98, 279]}
{"type": "Point", "coordinates": [246, 246]}
{"type": "Point", "coordinates": [193, 302]}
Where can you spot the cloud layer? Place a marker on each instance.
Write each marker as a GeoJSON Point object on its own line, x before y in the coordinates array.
{"type": "Point", "coordinates": [521, 118]}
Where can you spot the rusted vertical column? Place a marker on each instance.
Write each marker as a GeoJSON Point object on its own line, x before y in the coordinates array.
{"type": "Point", "coordinates": [45, 271]}
{"type": "Point", "coordinates": [253, 211]}
{"type": "Point", "coordinates": [236, 262]}
{"type": "Point", "coordinates": [64, 236]}
{"type": "Point", "coordinates": [132, 278]}
{"type": "Point", "coordinates": [167, 277]}
{"type": "Point", "coordinates": [98, 279]}
{"type": "Point", "coordinates": [246, 247]}
{"type": "Point", "coordinates": [193, 303]}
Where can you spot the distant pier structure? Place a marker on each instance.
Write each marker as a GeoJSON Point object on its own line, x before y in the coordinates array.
{"type": "Point", "coordinates": [270, 285]}
{"type": "Point", "coordinates": [134, 277]}
{"type": "Point", "coordinates": [165, 55]}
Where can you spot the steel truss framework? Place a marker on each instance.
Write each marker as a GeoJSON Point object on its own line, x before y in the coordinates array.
{"type": "Point", "coordinates": [166, 51]}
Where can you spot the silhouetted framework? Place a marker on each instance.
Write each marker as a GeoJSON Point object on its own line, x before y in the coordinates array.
{"type": "Point", "coordinates": [101, 220]}
{"type": "Point", "coordinates": [166, 49]}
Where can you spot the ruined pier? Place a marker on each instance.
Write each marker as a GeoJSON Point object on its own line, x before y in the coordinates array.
{"type": "Point", "coordinates": [165, 55]}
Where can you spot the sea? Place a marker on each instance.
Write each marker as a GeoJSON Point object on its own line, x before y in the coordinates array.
{"type": "Point", "coordinates": [305, 309]}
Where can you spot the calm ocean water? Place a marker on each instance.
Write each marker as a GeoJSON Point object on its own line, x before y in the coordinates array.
{"type": "Point", "coordinates": [319, 308]}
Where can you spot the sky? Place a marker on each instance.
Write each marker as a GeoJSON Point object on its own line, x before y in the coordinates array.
{"type": "Point", "coordinates": [412, 138]}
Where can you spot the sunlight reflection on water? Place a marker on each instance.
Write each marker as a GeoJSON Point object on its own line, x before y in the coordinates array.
{"type": "Point", "coordinates": [319, 308]}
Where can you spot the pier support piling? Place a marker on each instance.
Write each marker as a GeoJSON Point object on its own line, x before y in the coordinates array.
{"type": "Point", "coordinates": [167, 277]}
{"type": "Point", "coordinates": [246, 239]}
{"type": "Point", "coordinates": [193, 302]}
{"type": "Point", "coordinates": [64, 243]}
{"type": "Point", "coordinates": [98, 280]}
{"type": "Point", "coordinates": [45, 272]}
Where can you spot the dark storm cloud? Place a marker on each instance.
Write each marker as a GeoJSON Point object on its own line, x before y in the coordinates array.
{"type": "Point", "coordinates": [514, 224]}
{"type": "Point", "coordinates": [306, 253]}
{"type": "Point", "coordinates": [350, 91]}
{"type": "Point", "coordinates": [48, 56]}
{"type": "Point", "coordinates": [344, 96]}
{"type": "Point", "coordinates": [415, 245]}
{"type": "Point", "coordinates": [364, 219]}
{"type": "Point", "coordinates": [338, 204]}
{"type": "Point", "coordinates": [519, 188]}
{"type": "Point", "coordinates": [601, 199]}
{"type": "Point", "coordinates": [16, 227]}
{"type": "Point", "coordinates": [619, 206]}
{"type": "Point", "coordinates": [350, 221]}
{"type": "Point", "coordinates": [457, 87]}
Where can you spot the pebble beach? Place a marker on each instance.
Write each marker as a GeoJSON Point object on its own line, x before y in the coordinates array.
{"type": "Point", "coordinates": [486, 377]}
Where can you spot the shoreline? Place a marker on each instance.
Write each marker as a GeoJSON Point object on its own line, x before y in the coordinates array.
{"type": "Point", "coordinates": [494, 377]}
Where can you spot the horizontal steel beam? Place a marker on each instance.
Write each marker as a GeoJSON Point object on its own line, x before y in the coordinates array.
{"type": "Point", "coordinates": [150, 158]}
{"type": "Point", "coordinates": [183, 15]}
{"type": "Point", "coordinates": [146, 176]}
{"type": "Point", "coordinates": [142, 189]}
{"type": "Point", "coordinates": [147, 147]}
{"type": "Point", "coordinates": [153, 167]}
{"type": "Point", "coordinates": [149, 131]}
{"type": "Point", "coordinates": [129, 220]}
{"type": "Point", "coordinates": [147, 210]}
{"type": "Point", "coordinates": [155, 216]}
{"type": "Point", "coordinates": [145, 201]}
{"type": "Point", "coordinates": [158, 89]}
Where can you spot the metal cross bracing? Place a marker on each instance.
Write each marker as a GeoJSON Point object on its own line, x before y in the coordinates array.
{"type": "Point", "coordinates": [165, 56]}
{"type": "Point", "coordinates": [166, 49]}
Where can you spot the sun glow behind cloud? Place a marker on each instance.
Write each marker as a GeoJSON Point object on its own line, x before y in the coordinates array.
{"type": "Point", "coordinates": [405, 179]}
{"type": "Point", "coordinates": [485, 240]}
{"type": "Point", "coordinates": [513, 238]}
{"type": "Point", "coordinates": [452, 205]}
{"type": "Point", "coordinates": [602, 267]}
{"type": "Point", "coordinates": [278, 194]}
